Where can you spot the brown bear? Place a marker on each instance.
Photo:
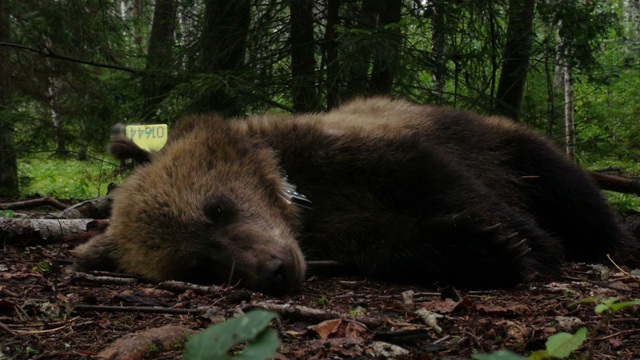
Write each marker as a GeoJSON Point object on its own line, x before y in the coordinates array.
{"type": "Point", "coordinates": [402, 191]}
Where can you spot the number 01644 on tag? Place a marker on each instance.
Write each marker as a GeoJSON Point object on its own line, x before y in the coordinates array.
{"type": "Point", "coordinates": [148, 137]}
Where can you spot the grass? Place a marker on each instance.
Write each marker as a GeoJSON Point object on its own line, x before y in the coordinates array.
{"type": "Point", "coordinates": [66, 178]}
{"type": "Point", "coordinates": [622, 203]}
{"type": "Point", "coordinates": [79, 180]}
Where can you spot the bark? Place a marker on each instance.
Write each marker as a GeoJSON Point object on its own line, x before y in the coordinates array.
{"type": "Point", "coordinates": [8, 166]}
{"type": "Point", "coordinates": [303, 63]}
{"type": "Point", "coordinates": [138, 26]}
{"type": "Point", "coordinates": [516, 58]}
{"type": "Point", "coordinates": [56, 119]}
{"type": "Point", "coordinates": [41, 231]}
{"type": "Point", "coordinates": [188, 32]}
{"type": "Point", "coordinates": [386, 60]}
{"type": "Point", "coordinates": [223, 39]}
{"type": "Point", "coordinates": [331, 54]}
{"type": "Point", "coordinates": [616, 183]}
{"type": "Point", "coordinates": [569, 121]}
{"type": "Point", "coordinates": [160, 63]}
{"type": "Point", "coordinates": [359, 60]}
{"type": "Point", "coordinates": [632, 19]}
{"type": "Point", "coordinates": [438, 49]}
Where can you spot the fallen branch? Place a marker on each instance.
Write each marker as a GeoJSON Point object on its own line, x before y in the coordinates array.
{"type": "Point", "coordinates": [40, 231]}
{"type": "Point", "coordinates": [312, 314]}
{"type": "Point", "coordinates": [179, 287]}
{"type": "Point", "coordinates": [98, 208]}
{"type": "Point", "coordinates": [616, 183]}
{"type": "Point", "coordinates": [84, 277]}
{"type": "Point", "coordinates": [8, 330]}
{"type": "Point", "coordinates": [30, 204]}
{"type": "Point", "coordinates": [143, 309]}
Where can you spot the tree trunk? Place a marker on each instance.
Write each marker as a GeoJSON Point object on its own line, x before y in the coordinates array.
{"type": "Point", "coordinates": [303, 63]}
{"type": "Point", "coordinates": [331, 54]}
{"type": "Point", "coordinates": [188, 32]}
{"type": "Point", "coordinates": [8, 167]}
{"type": "Point", "coordinates": [385, 62]}
{"type": "Point", "coordinates": [632, 20]}
{"type": "Point", "coordinates": [56, 120]}
{"type": "Point", "coordinates": [438, 41]}
{"type": "Point", "coordinates": [359, 60]}
{"type": "Point", "coordinates": [224, 38]}
{"type": "Point", "coordinates": [570, 128]}
{"type": "Point", "coordinates": [516, 58]}
{"type": "Point", "coordinates": [160, 63]}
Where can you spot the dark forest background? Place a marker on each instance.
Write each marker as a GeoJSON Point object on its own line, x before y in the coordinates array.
{"type": "Point", "coordinates": [70, 69]}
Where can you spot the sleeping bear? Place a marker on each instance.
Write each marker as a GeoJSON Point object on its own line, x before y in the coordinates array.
{"type": "Point", "coordinates": [403, 192]}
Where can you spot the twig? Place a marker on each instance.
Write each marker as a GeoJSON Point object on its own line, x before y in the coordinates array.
{"type": "Point", "coordinates": [144, 309]}
{"type": "Point", "coordinates": [6, 292]}
{"type": "Point", "coordinates": [29, 204]}
{"type": "Point", "coordinates": [45, 331]}
{"type": "Point", "coordinates": [60, 355]}
{"type": "Point", "coordinates": [312, 314]}
{"type": "Point", "coordinates": [625, 332]}
{"type": "Point", "coordinates": [179, 286]}
{"type": "Point", "coordinates": [7, 329]}
{"type": "Point", "coordinates": [84, 277]}
{"type": "Point", "coordinates": [622, 270]}
{"type": "Point", "coordinates": [47, 52]}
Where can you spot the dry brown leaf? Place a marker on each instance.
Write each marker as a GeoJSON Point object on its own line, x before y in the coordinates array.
{"type": "Point", "coordinates": [338, 328]}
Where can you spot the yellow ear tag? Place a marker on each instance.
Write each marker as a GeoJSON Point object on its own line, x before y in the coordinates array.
{"type": "Point", "coordinates": [148, 137]}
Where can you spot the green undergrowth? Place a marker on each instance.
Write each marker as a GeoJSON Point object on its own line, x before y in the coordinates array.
{"type": "Point", "coordinates": [622, 203]}
{"type": "Point", "coordinates": [73, 179]}
{"type": "Point", "coordinates": [566, 345]}
{"type": "Point", "coordinates": [66, 178]}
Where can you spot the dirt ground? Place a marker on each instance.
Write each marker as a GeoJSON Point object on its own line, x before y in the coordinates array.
{"type": "Point", "coordinates": [47, 312]}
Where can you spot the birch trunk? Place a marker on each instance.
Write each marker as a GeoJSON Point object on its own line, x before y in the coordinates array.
{"type": "Point", "coordinates": [569, 121]}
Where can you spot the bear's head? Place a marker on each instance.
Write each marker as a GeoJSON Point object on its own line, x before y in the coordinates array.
{"type": "Point", "coordinates": [211, 207]}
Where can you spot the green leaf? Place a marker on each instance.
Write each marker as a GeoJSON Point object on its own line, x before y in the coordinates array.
{"type": "Point", "coordinates": [217, 341]}
{"type": "Point", "coordinates": [562, 344]}
{"type": "Point", "coordinates": [622, 305]}
{"type": "Point", "coordinates": [538, 355]}
{"type": "Point", "coordinates": [264, 347]}
{"type": "Point", "coordinates": [605, 305]}
{"type": "Point", "coordinates": [498, 355]}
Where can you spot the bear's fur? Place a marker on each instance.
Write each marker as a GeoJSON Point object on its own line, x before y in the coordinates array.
{"type": "Point", "coordinates": [404, 192]}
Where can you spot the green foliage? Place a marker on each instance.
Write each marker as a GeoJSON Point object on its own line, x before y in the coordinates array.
{"type": "Point", "coordinates": [623, 203]}
{"type": "Point", "coordinates": [609, 305]}
{"type": "Point", "coordinates": [43, 267]}
{"type": "Point", "coordinates": [66, 179]}
{"type": "Point", "coordinates": [561, 345]}
{"type": "Point", "coordinates": [498, 355]}
{"type": "Point", "coordinates": [219, 340]}
{"type": "Point", "coordinates": [322, 301]}
{"type": "Point", "coordinates": [615, 305]}
{"type": "Point", "coordinates": [558, 346]}
{"type": "Point", "coordinates": [7, 214]}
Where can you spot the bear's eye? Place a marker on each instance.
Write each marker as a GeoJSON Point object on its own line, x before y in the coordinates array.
{"type": "Point", "coordinates": [219, 209]}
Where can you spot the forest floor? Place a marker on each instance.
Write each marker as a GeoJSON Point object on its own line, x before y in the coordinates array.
{"type": "Point", "coordinates": [48, 312]}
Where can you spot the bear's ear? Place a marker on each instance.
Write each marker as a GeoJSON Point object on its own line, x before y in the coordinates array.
{"type": "Point", "coordinates": [123, 148]}
{"type": "Point", "coordinates": [96, 254]}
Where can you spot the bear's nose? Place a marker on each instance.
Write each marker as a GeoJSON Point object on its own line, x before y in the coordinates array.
{"type": "Point", "coordinates": [278, 279]}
